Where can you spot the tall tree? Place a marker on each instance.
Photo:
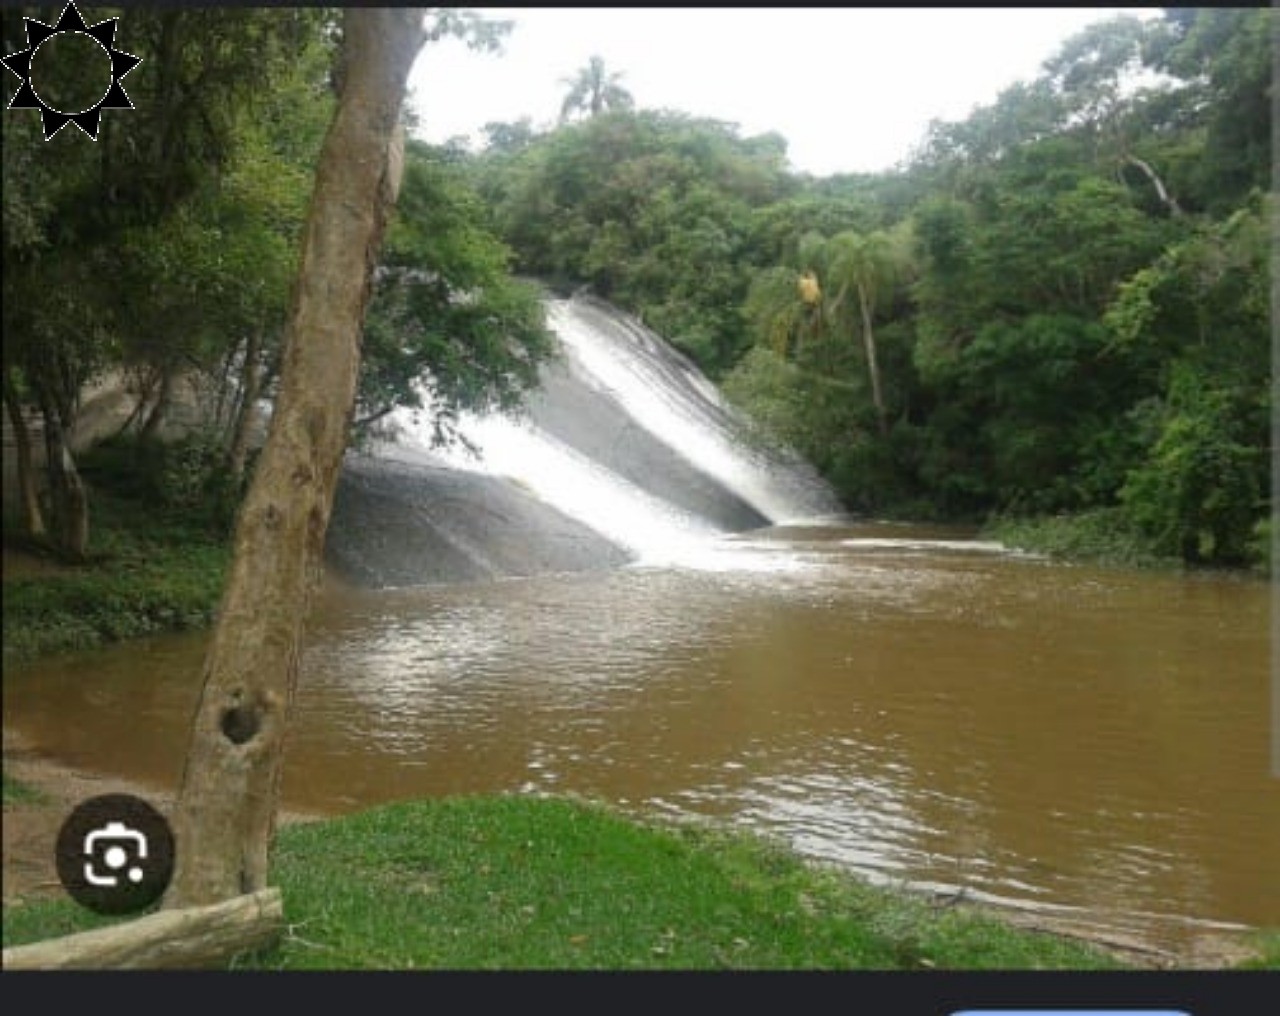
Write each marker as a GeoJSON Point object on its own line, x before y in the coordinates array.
{"type": "Point", "coordinates": [226, 809]}
{"type": "Point", "coordinates": [594, 89]}
{"type": "Point", "coordinates": [1223, 57]}
{"type": "Point", "coordinates": [869, 265]}
{"type": "Point", "coordinates": [779, 306]}
{"type": "Point", "coordinates": [1093, 75]}
{"type": "Point", "coordinates": [69, 209]}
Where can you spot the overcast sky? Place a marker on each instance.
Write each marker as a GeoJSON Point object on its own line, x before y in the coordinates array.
{"type": "Point", "coordinates": [851, 89]}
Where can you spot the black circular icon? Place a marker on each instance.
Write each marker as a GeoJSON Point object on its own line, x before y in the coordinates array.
{"type": "Point", "coordinates": [55, 45]}
{"type": "Point", "coordinates": [115, 854]}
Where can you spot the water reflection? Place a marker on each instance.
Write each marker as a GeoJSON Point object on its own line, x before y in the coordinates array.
{"type": "Point", "coordinates": [1068, 739]}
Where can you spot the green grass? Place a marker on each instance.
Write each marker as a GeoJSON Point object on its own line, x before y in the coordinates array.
{"type": "Point", "coordinates": [36, 920]}
{"type": "Point", "coordinates": [549, 883]}
{"type": "Point", "coordinates": [17, 792]}
{"type": "Point", "coordinates": [149, 571]}
{"type": "Point", "coordinates": [1100, 536]}
{"type": "Point", "coordinates": [1268, 947]}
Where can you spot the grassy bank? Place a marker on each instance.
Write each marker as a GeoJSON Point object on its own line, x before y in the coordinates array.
{"type": "Point", "coordinates": [1105, 536]}
{"type": "Point", "coordinates": [1101, 536]}
{"type": "Point", "coordinates": [17, 792]}
{"type": "Point", "coordinates": [548, 883]}
{"type": "Point", "coordinates": [149, 571]}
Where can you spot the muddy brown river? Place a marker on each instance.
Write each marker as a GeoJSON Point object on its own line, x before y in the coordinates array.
{"type": "Point", "coordinates": [1084, 743]}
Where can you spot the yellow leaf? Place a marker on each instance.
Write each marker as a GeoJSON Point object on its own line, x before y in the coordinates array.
{"type": "Point", "coordinates": [810, 291]}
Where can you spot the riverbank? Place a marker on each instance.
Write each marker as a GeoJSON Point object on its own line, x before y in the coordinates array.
{"type": "Point", "coordinates": [148, 572]}
{"type": "Point", "coordinates": [38, 794]}
{"type": "Point", "coordinates": [1103, 536]}
{"type": "Point", "coordinates": [153, 570]}
{"type": "Point", "coordinates": [556, 883]}
{"type": "Point", "coordinates": [1082, 930]}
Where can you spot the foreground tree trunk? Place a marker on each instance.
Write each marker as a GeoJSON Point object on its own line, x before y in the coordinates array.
{"type": "Point", "coordinates": [32, 516]}
{"type": "Point", "coordinates": [190, 939]}
{"type": "Point", "coordinates": [226, 808]}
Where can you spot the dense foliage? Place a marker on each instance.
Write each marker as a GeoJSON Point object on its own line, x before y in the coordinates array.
{"type": "Point", "coordinates": [164, 254]}
{"type": "Point", "coordinates": [449, 329]}
{"type": "Point", "coordinates": [1060, 305]}
{"type": "Point", "coordinates": [656, 211]}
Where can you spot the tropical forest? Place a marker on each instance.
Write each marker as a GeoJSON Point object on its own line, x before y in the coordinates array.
{"type": "Point", "coordinates": [657, 554]}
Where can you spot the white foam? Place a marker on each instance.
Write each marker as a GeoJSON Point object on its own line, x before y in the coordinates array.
{"type": "Point", "coordinates": [669, 398]}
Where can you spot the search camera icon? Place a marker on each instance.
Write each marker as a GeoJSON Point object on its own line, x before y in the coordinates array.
{"type": "Point", "coordinates": [115, 854]}
{"type": "Point", "coordinates": [111, 846]}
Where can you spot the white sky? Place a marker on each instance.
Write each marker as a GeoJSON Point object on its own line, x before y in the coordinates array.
{"type": "Point", "coordinates": [851, 89]}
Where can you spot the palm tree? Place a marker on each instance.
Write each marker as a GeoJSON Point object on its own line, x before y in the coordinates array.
{"type": "Point", "coordinates": [777, 310]}
{"type": "Point", "coordinates": [869, 264]}
{"type": "Point", "coordinates": [594, 90]}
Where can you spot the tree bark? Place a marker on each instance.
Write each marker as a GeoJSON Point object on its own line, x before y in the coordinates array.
{"type": "Point", "coordinates": [194, 939]}
{"type": "Point", "coordinates": [68, 500]}
{"type": "Point", "coordinates": [226, 808]}
{"type": "Point", "coordinates": [226, 410]}
{"type": "Point", "coordinates": [32, 516]}
{"type": "Point", "coordinates": [140, 385]}
{"type": "Point", "coordinates": [250, 385]}
{"type": "Point", "coordinates": [873, 364]}
{"type": "Point", "coordinates": [151, 428]}
{"type": "Point", "coordinates": [1167, 199]}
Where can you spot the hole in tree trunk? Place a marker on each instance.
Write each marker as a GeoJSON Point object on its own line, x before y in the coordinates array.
{"type": "Point", "coordinates": [240, 724]}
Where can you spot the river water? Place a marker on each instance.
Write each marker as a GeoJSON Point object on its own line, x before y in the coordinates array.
{"type": "Point", "coordinates": [1083, 743]}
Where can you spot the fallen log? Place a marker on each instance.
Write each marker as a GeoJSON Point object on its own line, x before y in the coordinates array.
{"type": "Point", "coordinates": [190, 938]}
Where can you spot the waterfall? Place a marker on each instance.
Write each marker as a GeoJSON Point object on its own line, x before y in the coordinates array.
{"type": "Point", "coordinates": [625, 441]}
{"type": "Point", "coordinates": [666, 394]}
{"type": "Point", "coordinates": [580, 487]}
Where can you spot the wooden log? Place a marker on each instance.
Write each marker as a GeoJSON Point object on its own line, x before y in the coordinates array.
{"type": "Point", "coordinates": [196, 937]}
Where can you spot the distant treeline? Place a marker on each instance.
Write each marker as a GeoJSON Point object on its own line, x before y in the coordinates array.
{"type": "Point", "coordinates": [1058, 305]}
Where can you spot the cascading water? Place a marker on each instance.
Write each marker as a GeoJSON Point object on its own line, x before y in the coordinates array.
{"type": "Point", "coordinates": [581, 488]}
{"type": "Point", "coordinates": [666, 394]}
{"type": "Point", "coordinates": [625, 446]}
